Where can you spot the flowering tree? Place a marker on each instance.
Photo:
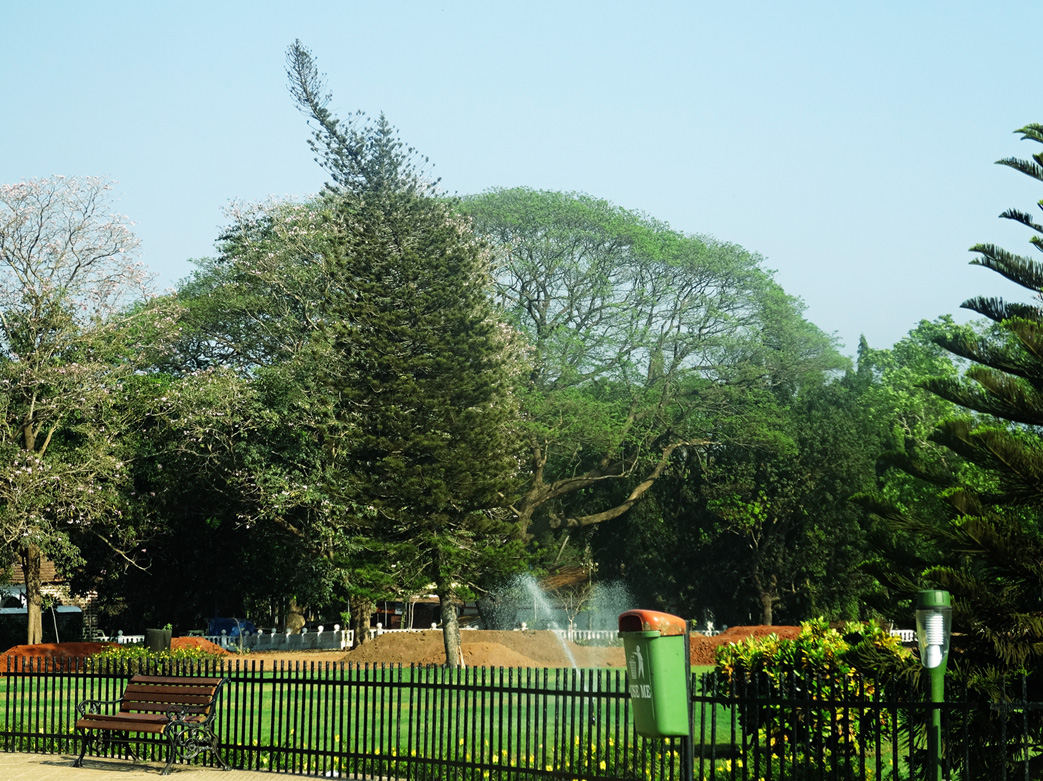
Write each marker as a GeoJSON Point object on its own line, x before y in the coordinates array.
{"type": "Point", "coordinates": [67, 338]}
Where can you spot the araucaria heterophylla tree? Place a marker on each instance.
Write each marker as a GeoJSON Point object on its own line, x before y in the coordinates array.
{"type": "Point", "coordinates": [985, 545]}
{"type": "Point", "coordinates": [421, 366]}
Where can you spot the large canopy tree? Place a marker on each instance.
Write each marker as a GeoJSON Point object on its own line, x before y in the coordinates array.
{"type": "Point", "coordinates": [644, 340]}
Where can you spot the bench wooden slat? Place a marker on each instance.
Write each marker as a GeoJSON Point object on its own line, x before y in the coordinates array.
{"type": "Point", "coordinates": [185, 698]}
{"type": "Point", "coordinates": [140, 726]}
{"type": "Point", "coordinates": [173, 680]}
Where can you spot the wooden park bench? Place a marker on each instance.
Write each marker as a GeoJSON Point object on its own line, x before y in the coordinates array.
{"type": "Point", "coordinates": [181, 708]}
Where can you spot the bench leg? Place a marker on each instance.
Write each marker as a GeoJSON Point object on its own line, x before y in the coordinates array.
{"type": "Point", "coordinates": [104, 741]}
{"type": "Point", "coordinates": [86, 739]}
{"type": "Point", "coordinates": [172, 735]}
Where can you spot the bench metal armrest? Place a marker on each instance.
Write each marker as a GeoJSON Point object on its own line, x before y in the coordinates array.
{"type": "Point", "coordinates": [87, 707]}
{"type": "Point", "coordinates": [177, 714]}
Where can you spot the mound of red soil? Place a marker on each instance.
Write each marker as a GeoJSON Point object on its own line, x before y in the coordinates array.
{"type": "Point", "coordinates": [485, 648]}
{"type": "Point", "coordinates": [41, 651]}
{"type": "Point", "coordinates": [177, 643]}
{"type": "Point", "coordinates": [531, 648]}
{"type": "Point", "coordinates": [703, 647]}
{"type": "Point", "coordinates": [84, 650]}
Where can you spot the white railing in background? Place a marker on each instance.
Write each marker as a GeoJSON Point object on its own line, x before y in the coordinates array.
{"type": "Point", "coordinates": [321, 640]}
{"type": "Point", "coordinates": [123, 639]}
{"type": "Point", "coordinates": [596, 636]}
{"type": "Point", "coordinates": [379, 629]}
{"type": "Point", "coordinates": [344, 639]}
{"type": "Point", "coordinates": [575, 635]}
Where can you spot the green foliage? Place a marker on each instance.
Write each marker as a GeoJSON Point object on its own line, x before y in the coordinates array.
{"type": "Point", "coordinates": [645, 342]}
{"type": "Point", "coordinates": [821, 664]}
{"type": "Point", "coordinates": [768, 505]}
{"type": "Point", "coordinates": [974, 521]}
{"type": "Point", "coordinates": [966, 515]}
{"type": "Point", "coordinates": [70, 349]}
{"type": "Point", "coordinates": [137, 658]}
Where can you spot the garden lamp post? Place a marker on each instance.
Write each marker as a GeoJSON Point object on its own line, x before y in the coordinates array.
{"type": "Point", "coordinates": [933, 629]}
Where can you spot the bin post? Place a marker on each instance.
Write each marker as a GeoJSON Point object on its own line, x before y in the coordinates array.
{"type": "Point", "coordinates": [689, 740]}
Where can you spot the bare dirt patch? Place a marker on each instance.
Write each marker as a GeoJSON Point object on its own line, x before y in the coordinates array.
{"type": "Point", "coordinates": [481, 648]}
{"type": "Point", "coordinates": [703, 648]}
{"type": "Point", "coordinates": [201, 643]}
{"type": "Point", "coordinates": [530, 648]}
{"type": "Point", "coordinates": [485, 648]}
{"type": "Point", "coordinates": [71, 651]}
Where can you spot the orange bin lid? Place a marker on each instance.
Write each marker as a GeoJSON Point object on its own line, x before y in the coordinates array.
{"type": "Point", "coordinates": [651, 621]}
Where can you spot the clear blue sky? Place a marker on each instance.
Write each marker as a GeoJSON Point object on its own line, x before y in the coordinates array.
{"type": "Point", "coordinates": [851, 144]}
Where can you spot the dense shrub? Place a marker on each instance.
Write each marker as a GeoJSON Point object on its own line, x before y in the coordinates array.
{"type": "Point", "coordinates": [137, 658]}
{"type": "Point", "coordinates": [820, 666]}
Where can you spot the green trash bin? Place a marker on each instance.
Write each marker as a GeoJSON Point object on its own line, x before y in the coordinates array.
{"type": "Point", "coordinates": [656, 646]}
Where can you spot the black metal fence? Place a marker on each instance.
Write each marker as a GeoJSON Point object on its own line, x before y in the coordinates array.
{"type": "Point", "coordinates": [393, 722]}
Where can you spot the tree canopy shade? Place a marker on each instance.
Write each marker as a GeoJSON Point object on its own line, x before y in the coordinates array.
{"type": "Point", "coordinates": [421, 367]}
{"type": "Point", "coordinates": [69, 345]}
{"type": "Point", "coordinates": [643, 340]}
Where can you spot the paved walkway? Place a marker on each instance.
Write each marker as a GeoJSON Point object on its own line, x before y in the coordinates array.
{"type": "Point", "coordinates": [58, 767]}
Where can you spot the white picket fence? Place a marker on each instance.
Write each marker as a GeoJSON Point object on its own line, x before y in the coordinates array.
{"type": "Point", "coordinates": [322, 640]}
{"type": "Point", "coordinates": [121, 638]}
{"type": "Point", "coordinates": [594, 636]}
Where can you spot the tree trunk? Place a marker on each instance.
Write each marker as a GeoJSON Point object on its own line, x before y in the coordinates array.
{"type": "Point", "coordinates": [31, 558]}
{"type": "Point", "coordinates": [454, 655]}
{"type": "Point", "coordinates": [764, 596]}
{"type": "Point", "coordinates": [361, 613]}
{"type": "Point", "coordinates": [766, 618]}
{"type": "Point", "coordinates": [294, 617]}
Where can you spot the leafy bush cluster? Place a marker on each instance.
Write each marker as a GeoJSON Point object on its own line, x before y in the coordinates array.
{"type": "Point", "coordinates": [138, 658]}
{"type": "Point", "coordinates": [787, 689]}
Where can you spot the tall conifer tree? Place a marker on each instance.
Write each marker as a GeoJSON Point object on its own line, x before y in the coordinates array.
{"type": "Point", "coordinates": [422, 366]}
{"type": "Point", "coordinates": [986, 548]}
